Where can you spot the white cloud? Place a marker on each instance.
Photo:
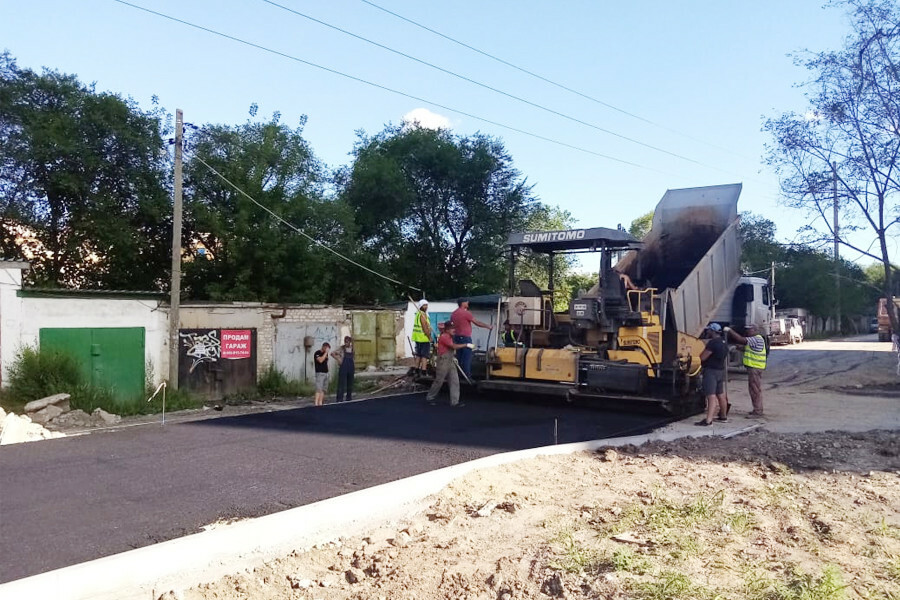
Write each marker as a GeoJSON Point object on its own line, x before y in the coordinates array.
{"type": "Point", "coordinates": [422, 117]}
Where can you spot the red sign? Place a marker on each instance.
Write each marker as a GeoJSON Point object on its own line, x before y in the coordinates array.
{"type": "Point", "coordinates": [236, 343]}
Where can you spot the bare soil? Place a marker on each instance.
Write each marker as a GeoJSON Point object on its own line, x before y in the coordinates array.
{"type": "Point", "coordinates": [761, 516]}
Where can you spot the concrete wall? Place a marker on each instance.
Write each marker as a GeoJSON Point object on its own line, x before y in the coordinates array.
{"type": "Point", "coordinates": [330, 323]}
{"type": "Point", "coordinates": [65, 311]}
{"type": "Point", "coordinates": [10, 316]}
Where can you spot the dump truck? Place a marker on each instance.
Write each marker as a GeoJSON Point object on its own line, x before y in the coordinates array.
{"type": "Point", "coordinates": [635, 336]}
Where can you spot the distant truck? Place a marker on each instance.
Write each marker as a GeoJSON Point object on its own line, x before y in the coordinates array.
{"type": "Point", "coordinates": [785, 330]}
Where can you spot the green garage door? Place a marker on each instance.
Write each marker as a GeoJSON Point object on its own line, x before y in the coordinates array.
{"type": "Point", "coordinates": [111, 357]}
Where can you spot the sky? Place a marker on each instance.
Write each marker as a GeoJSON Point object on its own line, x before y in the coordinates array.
{"type": "Point", "coordinates": [672, 94]}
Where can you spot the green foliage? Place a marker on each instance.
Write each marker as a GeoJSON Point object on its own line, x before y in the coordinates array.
{"type": "Point", "coordinates": [246, 253]}
{"type": "Point", "coordinates": [436, 208]}
{"type": "Point", "coordinates": [804, 277]}
{"type": "Point", "coordinates": [847, 135]}
{"type": "Point", "coordinates": [625, 559]}
{"type": "Point", "coordinates": [37, 373]}
{"type": "Point", "coordinates": [797, 585]}
{"type": "Point", "coordinates": [82, 183]}
{"type": "Point", "coordinates": [641, 226]}
{"type": "Point", "coordinates": [573, 557]}
{"type": "Point", "coordinates": [274, 384]}
{"type": "Point", "coordinates": [668, 586]}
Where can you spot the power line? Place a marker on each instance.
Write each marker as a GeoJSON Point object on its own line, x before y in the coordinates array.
{"type": "Point", "coordinates": [300, 231]}
{"type": "Point", "coordinates": [387, 89]}
{"type": "Point", "coordinates": [547, 80]}
{"type": "Point", "coordinates": [486, 86]}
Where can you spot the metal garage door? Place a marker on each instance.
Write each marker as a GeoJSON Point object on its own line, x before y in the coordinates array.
{"type": "Point", "coordinates": [110, 357]}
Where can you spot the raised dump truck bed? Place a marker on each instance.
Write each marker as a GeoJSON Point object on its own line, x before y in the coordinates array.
{"type": "Point", "coordinates": [692, 253]}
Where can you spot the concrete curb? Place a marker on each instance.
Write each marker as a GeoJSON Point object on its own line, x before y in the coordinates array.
{"type": "Point", "coordinates": [146, 573]}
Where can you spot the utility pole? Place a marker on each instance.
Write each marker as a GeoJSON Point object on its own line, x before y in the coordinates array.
{"type": "Point", "coordinates": [175, 297]}
{"type": "Point", "coordinates": [772, 294]}
{"type": "Point", "coordinates": [837, 255]}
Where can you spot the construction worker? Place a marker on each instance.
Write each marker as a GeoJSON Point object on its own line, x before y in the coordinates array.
{"type": "Point", "coordinates": [755, 361]}
{"type": "Point", "coordinates": [463, 319]}
{"type": "Point", "coordinates": [421, 337]}
{"type": "Point", "coordinates": [446, 366]}
{"type": "Point", "coordinates": [713, 359]}
{"type": "Point", "coordinates": [510, 335]}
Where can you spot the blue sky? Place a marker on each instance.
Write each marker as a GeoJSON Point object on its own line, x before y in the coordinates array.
{"type": "Point", "coordinates": [704, 74]}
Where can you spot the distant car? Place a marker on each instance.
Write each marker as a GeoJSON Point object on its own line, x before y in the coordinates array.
{"type": "Point", "coordinates": [873, 325]}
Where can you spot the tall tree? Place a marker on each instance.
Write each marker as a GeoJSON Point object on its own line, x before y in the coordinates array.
{"type": "Point", "coordinates": [436, 208]}
{"type": "Point", "coordinates": [82, 182]}
{"type": "Point", "coordinates": [236, 250]}
{"type": "Point", "coordinates": [640, 226]}
{"type": "Point", "coordinates": [853, 123]}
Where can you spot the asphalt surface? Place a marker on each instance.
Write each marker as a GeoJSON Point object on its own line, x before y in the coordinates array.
{"type": "Point", "coordinates": [70, 500]}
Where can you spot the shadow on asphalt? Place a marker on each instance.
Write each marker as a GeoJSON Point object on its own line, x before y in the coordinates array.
{"type": "Point", "coordinates": [488, 423]}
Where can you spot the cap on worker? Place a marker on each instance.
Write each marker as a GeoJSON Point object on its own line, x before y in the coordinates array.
{"type": "Point", "coordinates": [714, 327]}
{"type": "Point", "coordinates": [421, 303]}
{"type": "Point", "coordinates": [449, 325]}
{"type": "Point", "coordinates": [461, 300]}
{"type": "Point", "coordinates": [752, 326]}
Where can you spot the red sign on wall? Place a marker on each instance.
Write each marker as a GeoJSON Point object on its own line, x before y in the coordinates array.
{"type": "Point", "coordinates": [236, 343]}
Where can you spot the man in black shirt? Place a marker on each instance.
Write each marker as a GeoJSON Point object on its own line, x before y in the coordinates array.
{"type": "Point", "coordinates": [713, 361]}
{"type": "Point", "coordinates": [320, 360]}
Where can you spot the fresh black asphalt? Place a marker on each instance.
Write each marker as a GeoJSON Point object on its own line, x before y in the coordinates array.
{"type": "Point", "coordinates": [70, 500]}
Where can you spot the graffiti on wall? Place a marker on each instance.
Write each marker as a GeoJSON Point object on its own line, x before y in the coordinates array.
{"type": "Point", "coordinates": [210, 346]}
{"type": "Point", "coordinates": [201, 347]}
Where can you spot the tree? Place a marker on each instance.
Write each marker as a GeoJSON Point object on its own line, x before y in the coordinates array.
{"type": "Point", "coordinates": [850, 133]}
{"type": "Point", "coordinates": [82, 183]}
{"type": "Point", "coordinates": [236, 250]}
{"type": "Point", "coordinates": [435, 208]}
{"type": "Point", "coordinates": [640, 227]}
{"type": "Point", "coordinates": [758, 246]}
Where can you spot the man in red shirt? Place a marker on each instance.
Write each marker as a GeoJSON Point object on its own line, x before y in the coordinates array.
{"type": "Point", "coordinates": [464, 320]}
{"type": "Point", "coordinates": [446, 367]}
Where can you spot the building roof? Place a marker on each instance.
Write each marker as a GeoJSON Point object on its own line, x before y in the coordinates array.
{"type": "Point", "coordinates": [8, 263]}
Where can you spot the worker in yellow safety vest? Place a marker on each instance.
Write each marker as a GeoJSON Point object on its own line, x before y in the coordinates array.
{"type": "Point", "coordinates": [755, 362]}
{"type": "Point", "coordinates": [421, 337]}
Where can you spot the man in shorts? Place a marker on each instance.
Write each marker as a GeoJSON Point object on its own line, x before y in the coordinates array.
{"type": "Point", "coordinates": [713, 361]}
{"type": "Point", "coordinates": [320, 361]}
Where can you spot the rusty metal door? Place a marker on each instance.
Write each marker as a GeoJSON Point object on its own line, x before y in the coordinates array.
{"type": "Point", "coordinates": [215, 362]}
{"type": "Point", "coordinates": [386, 341]}
{"type": "Point", "coordinates": [364, 339]}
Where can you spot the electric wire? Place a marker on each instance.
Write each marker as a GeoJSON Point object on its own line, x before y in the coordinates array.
{"type": "Point", "coordinates": [486, 86]}
{"type": "Point", "coordinates": [549, 81]}
{"type": "Point", "coordinates": [389, 89]}
{"type": "Point", "coordinates": [300, 231]}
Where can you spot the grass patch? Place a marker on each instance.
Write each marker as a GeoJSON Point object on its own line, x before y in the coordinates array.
{"type": "Point", "coordinates": [669, 585]}
{"type": "Point", "coordinates": [740, 522]}
{"type": "Point", "coordinates": [627, 560]}
{"type": "Point", "coordinates": [273, 384]}
{"type": "Point", "coordinates": [797, 585]}
{"type": "Point", "coordinates": [573, 557]}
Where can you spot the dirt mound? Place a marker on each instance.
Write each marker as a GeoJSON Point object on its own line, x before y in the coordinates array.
{"type": "Point", "coordinates": [755, 517]}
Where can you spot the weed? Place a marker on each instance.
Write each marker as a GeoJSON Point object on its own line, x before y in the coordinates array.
{"type": "Point", "coordinates": [38, 373]}
{"type": "Point", "coordinates": [892, 569]}
{"type": "Point", "coordinates": [797, 586]}
{"type": "Point", "coordinates": [574, 558]}
{"type": "Point", "coordinates": [740, 522]}
{"type": "Point", "coordinates": [885, 529]}
{"type": "Point", "coordinates": [670, 586]}
{"type": "Point", "coordinates": [273, 383]}
{"type": "Point", "coordinates": [625, 559]}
